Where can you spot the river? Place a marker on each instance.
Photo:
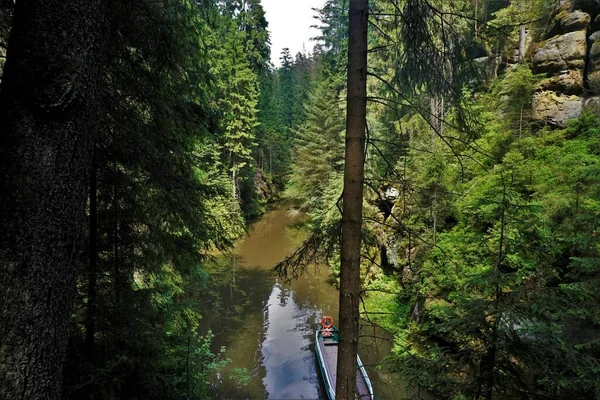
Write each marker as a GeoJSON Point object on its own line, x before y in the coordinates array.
{"type": "Point", "coordinates": [267, 328]}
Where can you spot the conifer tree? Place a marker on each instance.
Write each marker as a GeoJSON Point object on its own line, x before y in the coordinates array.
{"type": "Point", "coordinates": [351, 227]}
{"type": "Point", "coordinates": [51, 89]}
{"type": "Point", "coordinates": [237, 103]}
{"type": "Point", "coordinates": [318, 144]}
{"type": "Point", "coordinates": [286, 89]}
{"type": "Point", "coordinates": [158, 202]}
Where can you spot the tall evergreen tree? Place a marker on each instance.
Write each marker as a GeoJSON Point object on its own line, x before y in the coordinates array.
{"type": "Point", "coordinates": [318, 144]}
{"type": "Point", "coordinates": [351, 238]}
{"type": "Point", "coordinates": [161, 199]}
{"type": "Point", "coordinates": [50, 95]}
{"type": "Point", "coordinates": [237, 102]}
{"type": "Point", "coordinates": [287, 88]}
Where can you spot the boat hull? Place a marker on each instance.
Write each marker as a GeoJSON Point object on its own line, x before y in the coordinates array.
{"type": "Point", "coordinates": [326, 353]}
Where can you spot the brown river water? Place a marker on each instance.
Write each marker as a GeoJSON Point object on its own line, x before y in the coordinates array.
{"type": "Point", "coordinates": [267, 328]}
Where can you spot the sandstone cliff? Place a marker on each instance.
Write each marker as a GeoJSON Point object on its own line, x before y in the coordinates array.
{"type": "Point", "coordinates": [569, 57]}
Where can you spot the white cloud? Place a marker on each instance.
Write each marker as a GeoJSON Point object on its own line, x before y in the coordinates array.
{"type": "Point", "coordinates": [289, 25]}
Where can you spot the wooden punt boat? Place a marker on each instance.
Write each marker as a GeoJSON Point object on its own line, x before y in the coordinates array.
{"type": "Point", "coordinates": [326, 348]}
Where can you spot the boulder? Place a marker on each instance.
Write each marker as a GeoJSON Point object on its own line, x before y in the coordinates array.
{"type": "Point", "coordinates": [592, 104]}
{"type": "Point", "coordinates": [594, 37]}
{"type": "Point", "coordinates": [593, 67]}
{"type": "Point", "coordinates": [593, 79]}
{"type": "Point", "coordinates": [574, 21]}
{"type": "Point", "coordinates": [565, 5]}
{"type": "Point", "coordinates": [564, 52]}
{"type": "Point", "coordinates": [595, 46]}
{"type": "Point", "coordinates": [555, 109]}
{"type": "Point", "coordinates": [567, 82]}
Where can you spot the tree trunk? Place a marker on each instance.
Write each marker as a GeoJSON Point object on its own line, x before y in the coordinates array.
{"type": "Point", "coordinates": [48, 106]}
{"type": "Point", "coordinates": [233, 184]}
{"type": "Point", "coordinates": [352, 198]}
{"type": "Point", "coordinates": [90, 320]}
{"type": "Point", "coordinates": [437, 110]}
{"type": "Point", "coordinates": [116, 252]}
{"type": "Point", "coordinates": [522, 40]}
{"type": "Point", "coordinates": [476, 17]}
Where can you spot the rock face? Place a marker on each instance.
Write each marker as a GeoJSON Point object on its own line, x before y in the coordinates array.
{"type": "Point", "coordinates": [570, 60]}
{"type": "Point", "coordinates": [593, 68]}
{"type": "Point", "coordinates": [562, 59]}
{"type": "Point", "coordinates": [564, 52]}
{"type": "Point", "coordinates": [556, 109]}
{"type": "Point", "coordinates": [574, 21]}
{"type": "Point", "coordinates": [567, 82]}
{"type": "Point", "coordinates": [264, 190]}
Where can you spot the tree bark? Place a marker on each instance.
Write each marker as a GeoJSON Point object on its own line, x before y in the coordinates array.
{"type": "Point", "coordinates": [352, 198]}
{"type": "Point", "coordinates": [437, 110]}
{"type": "Point", "coordinates": [48, 104]}
{"type": "Point", "coordinates": [90, 322]}
{"type": "Point", "coordinates": [522, 42]}
{"type": "Point", "coordinates": [476, 17]}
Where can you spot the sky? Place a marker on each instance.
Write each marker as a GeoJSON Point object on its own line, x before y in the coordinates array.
{"type": "Point", "coordinates": [289, 25]}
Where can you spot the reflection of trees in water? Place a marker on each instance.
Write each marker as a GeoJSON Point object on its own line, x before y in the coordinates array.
{"type": "Point", "coordinates": [283, 296]}
{"type": "Point", "coordinates": [231, 294]}
{"type": "Point", "coordinates": [235, 306]}
{"type": "Point", "coordinates": [313, 291]}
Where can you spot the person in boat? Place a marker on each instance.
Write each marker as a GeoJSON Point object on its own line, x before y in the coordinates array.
{"type": "Point", "coordinates": [327, 332]}
{"type": "Point", "coordinates": [327, 326]}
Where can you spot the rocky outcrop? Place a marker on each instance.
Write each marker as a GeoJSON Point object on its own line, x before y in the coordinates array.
{"type": "Point", "coordinates": [593, 67]}
{"type": "Point", "coordinates": [562, 59]}
{"type": "Point", "coordinates": [570, 60]}
{"type": "Point", "coordinates": [561, 53]}
{"type": "Point", "coordinates": [265, 191]}
{"type": "Point", "coordinates": [554, 108]}
{"type": "Point", "coordinates": [574, 21]}
{"type": "Point", "coordinates": [566, 82]}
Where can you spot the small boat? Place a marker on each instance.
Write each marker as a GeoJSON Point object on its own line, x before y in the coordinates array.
{"type": "Point", "coordinates": [326, 347]}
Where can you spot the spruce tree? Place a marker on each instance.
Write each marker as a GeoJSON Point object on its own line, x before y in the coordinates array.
{"type": "Point", "coordinates": [318, 144]}
{"type": "Point", "coordinates": [49, 98]}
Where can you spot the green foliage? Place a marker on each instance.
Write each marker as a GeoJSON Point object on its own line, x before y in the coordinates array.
{"type": "Point", "coordinates": [318, 144]}
{"type": "Point", "coordinates": [488, 254]}
{"type": "Point", "coordinates": [512, 277]}
{"type": "Point", "coordinates": [332, 43]}
{"type": "Point", "coordinates": [237, 100]}
{"type": "Point", "coordinates": [533, 13]}
{"type": "Point", "coordinates": [514, 94]}
{"type": "Point", "coordinates": [179, 113]}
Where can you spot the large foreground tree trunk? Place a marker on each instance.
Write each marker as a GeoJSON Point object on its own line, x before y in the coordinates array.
{"type": "Point", "coordinates": [48, 104]}
{"type": "Point", "coordinates": [352, 197]}
{"type": "Point", "coordinates": [92, 286]}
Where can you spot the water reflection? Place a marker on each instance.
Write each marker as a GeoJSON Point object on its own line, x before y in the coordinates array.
{"type": "Point", "coordinates": [268, 327]}
{"type": "Point", "coordinates": [286, 351]}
